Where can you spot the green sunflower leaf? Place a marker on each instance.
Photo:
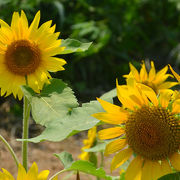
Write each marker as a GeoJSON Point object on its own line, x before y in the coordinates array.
{"type": "Point", "coordinates": [89, 168]}
{"type": "Point", "coordinates": [82, 166]}
{"type": "Point", "coordinates": [97, 148]}
{"type": "Point", "coordinates": [53, 103]}
{"type": "Point", "coordinates": [73, 45]}
{"type": "Point", "coordinates": [57, 109]}
{"type": "Point", "coordinates": [65, 158]}
{"type": "Point", "coordinates": [173, 176]}
{"type": "Point", "coordinates": [110, 94]}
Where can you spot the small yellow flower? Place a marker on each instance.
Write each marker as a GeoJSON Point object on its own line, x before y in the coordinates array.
{"type": "Point", "coordinates": [147, 126]}
{"type": "Point", "coordinates": [27, 51]}
{"type": "Point", "coordinates": [88, 143]}
{"type": "Point", "coordinates": [157, 81]}
{"type": "Point", "coordinates": [32, 174]}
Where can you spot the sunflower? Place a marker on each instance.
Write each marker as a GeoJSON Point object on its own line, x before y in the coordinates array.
{"type": "Point", "coordinates": [157, 81]}
{"type": "Point", "coordinates": [27, 54]}
{"type": "Point", "coordinates": [147, 127]}
{"type": "Point", "coordinates": [88, 143]}
{"type": "Point", "coordinates": [32, 174]}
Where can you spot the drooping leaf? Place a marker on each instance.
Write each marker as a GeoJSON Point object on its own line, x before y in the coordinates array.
{"type": "Point", "coordinates": [82, 166]}
{"type": "Point", "coordinates": [65, 158]}
{"type": "Point", "coordinates": [89, 168]}
{"type": "Point", "coordinates": [57, 109]}
{"type": "Point", "coordinates": [73, 45]}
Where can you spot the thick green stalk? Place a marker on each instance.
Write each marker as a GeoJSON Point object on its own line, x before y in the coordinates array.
{"type": "Point", "coordinates": [10, 150]}
{"type": "Point", "coordinates": [26, 114]}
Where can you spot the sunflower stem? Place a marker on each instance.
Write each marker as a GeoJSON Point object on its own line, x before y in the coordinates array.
{"type": "Point", "coordinates": [26, 114]}
{"type": "Point", "coordinates": [10, 150]}
{"type": "Point", "coordinates": [64, 170]}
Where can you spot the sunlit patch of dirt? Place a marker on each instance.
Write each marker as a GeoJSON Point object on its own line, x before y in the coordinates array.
{"type": "Point", "coordinates": [42, 154]}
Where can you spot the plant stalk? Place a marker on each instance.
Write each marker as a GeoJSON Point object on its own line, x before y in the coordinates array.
{"type": "Point", "coordinates": [26, 114]}
{"type": "Point", "coordinates": [54, 176]}
{"type": "Point", "coordinates": [10, 150]}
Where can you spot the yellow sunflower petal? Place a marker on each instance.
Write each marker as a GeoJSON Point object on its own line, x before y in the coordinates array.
{"type": "Point", "coordinates": [34, 25]}
{"type": "Point", "coordinates": [42, 30]}
{"type": "Point", "coordinates": [175, 160]}
{"type": "Point", "coordinates": [174, 73]}
{"type": "Point", "coordinates": [152, 72]}
{"type": "Point", "coordinates": [33, 172]}
{"type": "Point", "coordinates": [55, 64]}
{"type": "Point", "coordinates": [53, 51]}
{"type": "Point", "coordinates": [111, 108]}
{"type": "Point", "coordinates": [43, 175]}
{"type": "Point", "coordinates": [165, 168]}
{"type": "Point", "coordinates": [123, 96]}
{"type": "Point", "coordinates": [15, 25]}
{"type": "Point", "coordinates": [6, 33]}
{"type": "Point", "coordinates": [115, 146]}
{"type": "Point", "coordinates": [165, 98]}
{"type": "Point", "coordinates": [143, 72]}
{"type": "Point", "coordinates": [3, 176]}
{"type": "Point", "coordinates": [84, 156]}
{"type": "Point", "coordinates": [149, 93]}
{"type": "Point", "coordinates": [23, 25]}
{"type": "Point", "coordinates": [134, 170]}
{"type": "Point", "coordinates": [135, 72]}
{"type": "Point", "coordinates": [21, 173]}
{"type": "Point", "coordinates": [111, 118]}
{"type": "Point", "coordinates": [151, 170]}
{"type": "Point", "coordinates": [120, 158]}
{"type": "Point", "coordinates": [176, 106]}
{"type": "Point", "coordinates": [167, 85]}
{"type": "Point", "coordinates": [110, 133]}
{"type": "Point", "coordinates": [161, 76]}
{"type": "Point", "coordinates": [7, 175]}
{"type": "Point", "coordinates": [44, 43]}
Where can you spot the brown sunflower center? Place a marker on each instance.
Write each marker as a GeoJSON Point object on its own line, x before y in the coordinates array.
{"type": "Point", "coordinates": [22, 57]}
{"type": "Point", "coordinates": [153, 132]}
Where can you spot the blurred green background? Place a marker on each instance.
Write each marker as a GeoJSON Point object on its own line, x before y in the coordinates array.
{"type": "Point", "coordinates": [121, 31]}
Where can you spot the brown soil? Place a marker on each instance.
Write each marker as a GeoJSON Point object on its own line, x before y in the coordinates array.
{"type": "Point", "coordinates": [42, 154]}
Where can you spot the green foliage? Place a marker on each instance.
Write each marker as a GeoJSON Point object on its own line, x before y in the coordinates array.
{"type": "Point", "coordinates": [57, 109]}
{"type": "Point", "coordinates": [65, 158]}
{"type": "Point", "coordinates": [120, 30]}
{"type": "Point", "coordinates": [73, 45]}
{"type": "Point", "coordinates": [173, 176]}
{"type": "Point", "coordinates": [97, 148]}
{"type": "Point", "coordinates": [89, 168]}
{"type": "Point", "coordinates": [82, 166]}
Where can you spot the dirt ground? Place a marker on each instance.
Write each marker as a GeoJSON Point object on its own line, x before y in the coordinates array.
{"type": "Point", "coordinates": [42, 154]}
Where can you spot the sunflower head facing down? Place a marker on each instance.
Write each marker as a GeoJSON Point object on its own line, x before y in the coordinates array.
{"type": "Point", "coordinates": [88, 143]}
{"type": "Point", "coordinates": [155, 80]}
{"type": "Point", "coordinates": [27, 53]}
{"type": "Point", "coordinates": [32, 174]}
{"type": "Point", "coordinates": [146, 126]}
